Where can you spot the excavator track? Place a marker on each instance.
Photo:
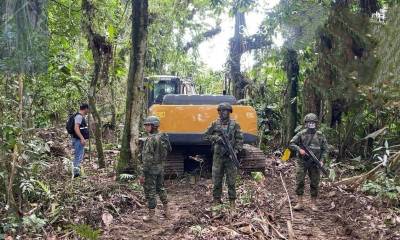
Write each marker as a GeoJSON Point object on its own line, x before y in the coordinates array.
{"type": "Point", "coordinates": [174, 165]}
{"type": "Point", "coordinates": [252, 159]}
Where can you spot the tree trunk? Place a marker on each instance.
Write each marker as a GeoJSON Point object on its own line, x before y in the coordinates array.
{"type": "Point", "coordinates": [112, 91]}
{"type": "Point", "coordinates": [369, 6]}
{"type": "Point", "coordinates": [97, 124]}
{"type": "Point", "coordinates": [336, 112]}
{"type": "Point", "coordinates": [238, 45]}
{"type": "Point", "coordinates": [113, 108]}
{"type": "Point", "coordinates": [235, 55]}
{"type": "Point", "coordinates": [135, 91]}
{"type": "Point", "coordinates": [311, 99]}
{"type": "Point", "coordinates": [21, 100]}
{"type": "Point", "coordinates": [100, 51]}
{"type": "Point", "coordinates": [292, 73]}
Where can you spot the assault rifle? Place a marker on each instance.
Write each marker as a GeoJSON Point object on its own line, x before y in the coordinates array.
{"type": "Point", "coordinates": [228, 147]}
{"type": "Point", "coordinates": [314, 159]}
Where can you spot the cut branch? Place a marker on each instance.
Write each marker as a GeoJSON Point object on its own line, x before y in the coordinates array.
{"type": "Point", "coordinates": [202, 37]}
{"type": "Point", "coordinates": [256, 41]}
{"type": "Point", "coordinates": [356, 181]}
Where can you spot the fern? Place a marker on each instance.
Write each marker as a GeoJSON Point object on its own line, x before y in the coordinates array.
{"type": "Point", "coordinates": [85, 231]}
{"type": "Point", "coordinates": [45, 188]}
{"type": "Point", "coordinates": [27, 186]}
{"type": "Point", "coordinates": [33, 222]}
{"type": "Point", "coordinates": [383, 187]}
{"type": "Point", "coordinates": [136, 187]}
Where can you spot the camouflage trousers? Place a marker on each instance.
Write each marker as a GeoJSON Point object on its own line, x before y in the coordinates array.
{"type": "Point", "coordinates": [223, 165]}
{"type": "Point", "coordinates": [304, 167]}
{"type": "Point", "coordinates": [153, 186]}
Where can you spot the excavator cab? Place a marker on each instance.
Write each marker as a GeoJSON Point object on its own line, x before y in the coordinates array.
{"type": "Point", "coordinates": [160, 85]}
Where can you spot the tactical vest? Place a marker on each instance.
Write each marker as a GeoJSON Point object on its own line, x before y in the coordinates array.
{"type": "Point", "coordinates": [230, 131]}
{"type": "Point", "coordinates": [314, 143]}
{"type": "Point", "coordinates": [156, 156]}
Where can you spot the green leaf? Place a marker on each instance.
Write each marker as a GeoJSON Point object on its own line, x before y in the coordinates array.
{"type": "Point", "coordinates": [33, 222]}
{"type": "Point", "coordinates": [111, 31]}
{"type": "Point", "coordinates": [86, 231]}
{"type": "Point", "coordinates": [257, 176]}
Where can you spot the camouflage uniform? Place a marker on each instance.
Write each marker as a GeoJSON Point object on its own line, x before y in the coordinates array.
{"type": "Point", "coordinates": [221, 162]}
{"type": "Point", "coordinates": [155, 148]}
{"type": "Point", "coordinates": [317, 143]}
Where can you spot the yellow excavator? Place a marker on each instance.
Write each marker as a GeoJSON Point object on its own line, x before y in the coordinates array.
{"type": "Point", "coordinates": [185, 116]}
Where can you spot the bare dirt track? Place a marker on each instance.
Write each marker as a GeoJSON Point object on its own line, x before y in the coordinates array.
{"type": "Point", "coordinates": [262, 212]}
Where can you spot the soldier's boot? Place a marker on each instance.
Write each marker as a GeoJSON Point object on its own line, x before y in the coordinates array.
{"type": "Point", "coordinates": [150, 217]}
{"type": "Point", "coordinates": [215, 206]}
{"type": "Point", "coordinates": [167, 213]}
{"type": "Point", "coordinates": [314, 204]}
{"type": "Point", "coordinates": [299, 206]}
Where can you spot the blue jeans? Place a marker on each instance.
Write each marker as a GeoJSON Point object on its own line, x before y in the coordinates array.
{"type": "Point", "coordinates": [79, 152]}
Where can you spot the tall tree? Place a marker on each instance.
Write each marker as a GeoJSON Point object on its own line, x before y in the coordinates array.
{"type": "Point", "coordinates": [291, 66]}
{"type": "Point", "coordinates": [235, 55]}
{"type": "Point", "coordinates": [345, 58]}
{"type": "Point", "coordinates": [102, 52]}
{"type": "Point", "coordinates": [134, 98]}
{"type": "Point", "coordinates": [240, 44]}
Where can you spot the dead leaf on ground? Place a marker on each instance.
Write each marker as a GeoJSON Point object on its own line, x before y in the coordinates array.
{"type": "Point", "coordinates": [333, 205]}
{"type": "Point", "coordinates": [227, 231]}
{"type": "Point", "coordinates": [107, 219]}
{"type": "Point", "coordinates": [246, 229]}
{"type": "Point", "coordinates": [259, 235]}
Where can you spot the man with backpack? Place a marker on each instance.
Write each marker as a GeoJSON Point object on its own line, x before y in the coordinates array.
{"type": "Point", "coordinates": [155, 150]}
{"type": "Point", "coordinates": [78, 129]}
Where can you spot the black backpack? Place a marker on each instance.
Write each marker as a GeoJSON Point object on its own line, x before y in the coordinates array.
{"type": "Point", "coordinates": [71, 123]}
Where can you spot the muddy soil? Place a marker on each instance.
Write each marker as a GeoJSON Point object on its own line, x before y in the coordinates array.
{"type": "Point", "coordinates": [262, 210]}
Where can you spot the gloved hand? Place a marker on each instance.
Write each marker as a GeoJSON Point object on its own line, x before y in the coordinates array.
{"type": "Point", "coordinates": [218, 139]}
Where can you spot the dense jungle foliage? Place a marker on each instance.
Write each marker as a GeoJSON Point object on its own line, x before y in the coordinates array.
{"type": "Point", "coordinates": [339, 59]}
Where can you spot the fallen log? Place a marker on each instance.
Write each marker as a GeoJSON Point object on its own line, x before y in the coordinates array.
{"type": "Point", "coordinates": [354, 182]}
{"type": "Point", "coordinates": [290, 230]}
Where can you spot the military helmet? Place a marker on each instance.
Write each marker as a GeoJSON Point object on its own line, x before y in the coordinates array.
{"type": "Point", "coordinates": [311, 117]}
{"type": "Point", "coordinates": [224, 106]}
{"type": "Point", "coordinates": [153, 120]}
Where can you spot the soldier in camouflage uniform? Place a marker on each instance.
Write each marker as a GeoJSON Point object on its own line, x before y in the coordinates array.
{"type": "Point", "coordinates": [155, 149]}
{"type": "Point", "coordinates": [222, 164]}
{"type": "Point", "coordinates": [316, 142]}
